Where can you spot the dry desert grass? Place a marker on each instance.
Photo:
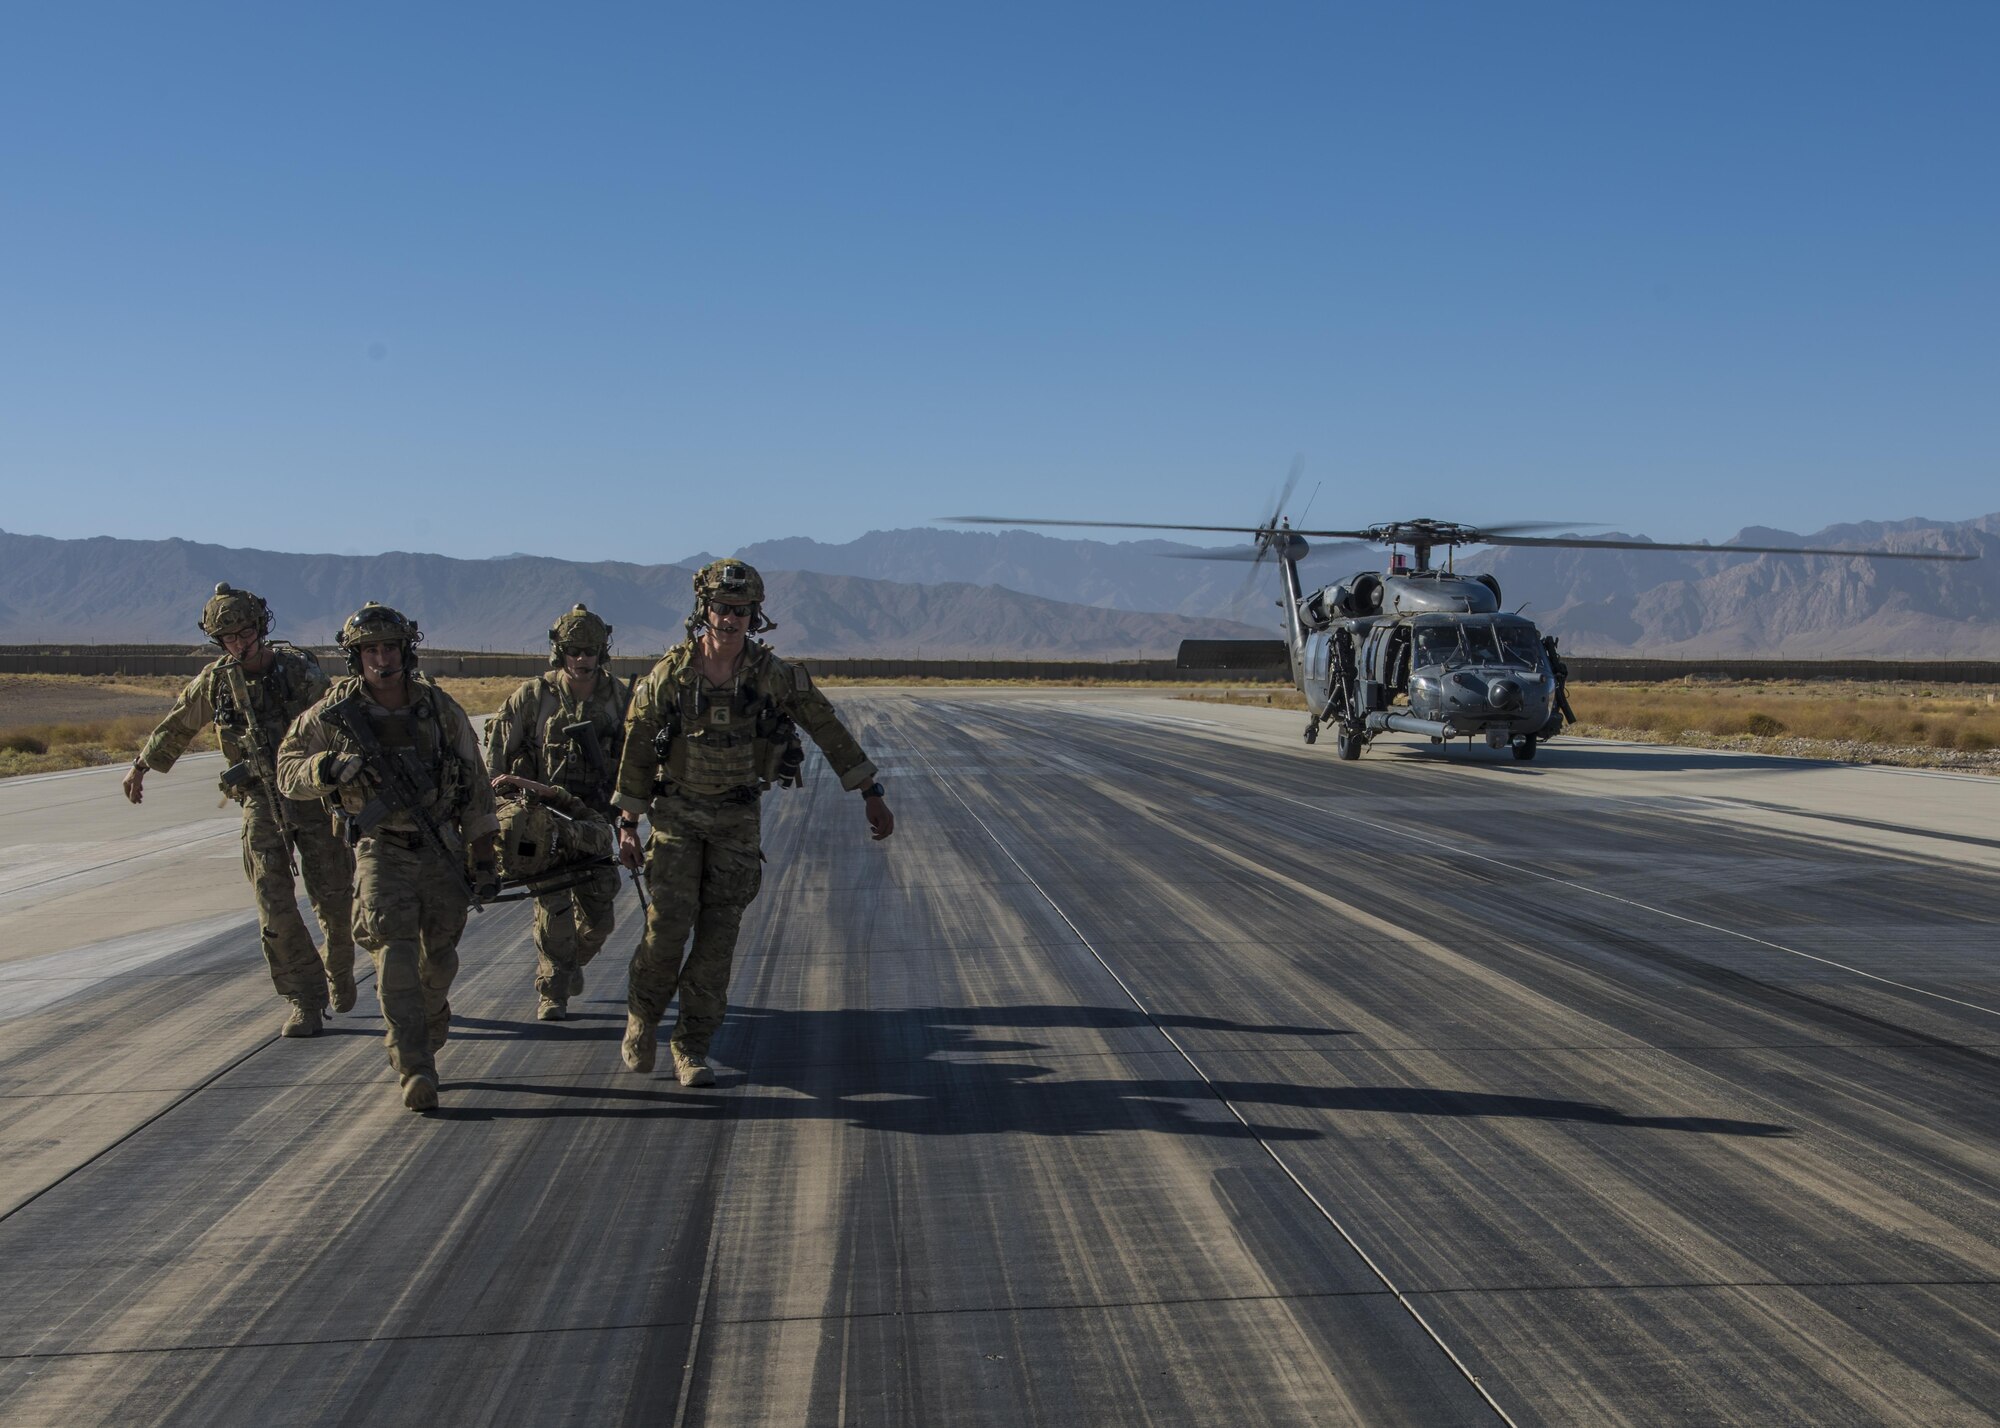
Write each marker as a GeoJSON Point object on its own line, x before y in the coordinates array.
{"type": "Point", "coordinates": [50, 722]}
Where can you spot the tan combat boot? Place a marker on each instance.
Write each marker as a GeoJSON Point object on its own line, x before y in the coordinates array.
{"type": "Point", "coordinates": [420, 1091]}
{"type": "Point", "coordinates": [549, 1009]}
{"type": "Point", "coordinates": [340, 985]}
{"type": "Point", "coordinates": [641, 1043]}
{"type": "Point", "coordinates": [691, 1070]}
{"type": "Point", "coordinates": [304, 1020]}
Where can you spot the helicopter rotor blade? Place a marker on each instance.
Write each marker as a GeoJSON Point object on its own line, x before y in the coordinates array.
{"type": "Point", "coordinates": [1285, 491]}
{"type": "Point", "coordinates": [1104, 525]}
{"type": "Point", "coordinates": [1585, 543]}
{"type": "Point", "coordinates": [1250, 552]}
{"type": "Point", "coordinates": [1528, 527]}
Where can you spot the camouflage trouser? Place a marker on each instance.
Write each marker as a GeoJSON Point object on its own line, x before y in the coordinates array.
{"type": "Point", "coordinates": [328, 866]}
{"type": "Point", "coordinates": [409, 908]}
{"type": "Point", "coordinates": [570, 927]}
{"type": "Point", "coordinates": [704, 866]}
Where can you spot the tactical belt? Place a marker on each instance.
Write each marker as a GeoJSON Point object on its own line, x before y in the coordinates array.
{"type": "Point", "coordinates": [411, 842]}
{"type": "Point", "coordinates": [742, 793]}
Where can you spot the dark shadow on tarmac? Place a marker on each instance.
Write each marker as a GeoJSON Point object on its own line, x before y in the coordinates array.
{"type": "Point", "coordinates": [577, 1026]}
{"type": "Point", "coordinates": [918, 1072]}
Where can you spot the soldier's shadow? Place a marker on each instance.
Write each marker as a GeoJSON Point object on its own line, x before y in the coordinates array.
{"type": "Point", "coordinates": [939, 1071]}
{"type": "Point", "coordinates": [577, 1026]}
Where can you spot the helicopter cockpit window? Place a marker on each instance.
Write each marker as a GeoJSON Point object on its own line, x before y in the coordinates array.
{"type": "Point", "coordinates": [1439, 644]}
{"type": "Point", "coordinates": [1519, 647]}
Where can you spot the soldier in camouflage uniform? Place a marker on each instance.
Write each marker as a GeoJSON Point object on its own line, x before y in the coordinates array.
{"type": "Point", "coordinates": [711, 727]}
{"type": "Point", "coordinates": [411, 896]}
{"type": "Point", "coordinates": [531, 738]}
{"type": "Point", "coordinates": [251, 695]}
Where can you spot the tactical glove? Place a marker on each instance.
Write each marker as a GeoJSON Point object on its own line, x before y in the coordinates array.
{"type": "Point", "coordinates": [485, 882]}
{"type": "Point", "coordinates": [338, 769]}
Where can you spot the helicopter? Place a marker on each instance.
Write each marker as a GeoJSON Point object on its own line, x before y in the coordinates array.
{"type": "Point", "coordinates": [1432, 638]}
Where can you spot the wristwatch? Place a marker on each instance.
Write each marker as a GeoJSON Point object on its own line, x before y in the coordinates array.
{"type": "Point", "coordinates": [874, 790]}
{"type": "Point", "coordinates": [627, 823]}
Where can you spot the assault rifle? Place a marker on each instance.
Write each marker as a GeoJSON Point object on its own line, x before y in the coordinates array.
{"type": "Point", "coordinates": [262, 765]}
{"type": "Point", "coordinates": [400, 783]}
{"type": "Point", "coordinates": [584, 735]}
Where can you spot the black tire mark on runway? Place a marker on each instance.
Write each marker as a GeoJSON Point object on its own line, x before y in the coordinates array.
{"type": "Point", "coordinates": [1318, 1205]}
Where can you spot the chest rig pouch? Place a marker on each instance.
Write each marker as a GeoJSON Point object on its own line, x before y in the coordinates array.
{"type": "Point", "coordinates": [717, 748]}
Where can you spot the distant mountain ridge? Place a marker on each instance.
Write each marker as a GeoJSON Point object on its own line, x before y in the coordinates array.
{"type": "Point", "coordinates": [108, 590]}
{"type": "Point", "coordinates": [929, 593]}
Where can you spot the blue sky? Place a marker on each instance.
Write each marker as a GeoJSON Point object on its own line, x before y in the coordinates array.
{"type": "Point", "coordinates": [634, 281]}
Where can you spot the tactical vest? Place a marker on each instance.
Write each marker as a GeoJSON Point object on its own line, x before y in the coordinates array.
{"type": "Point", "coordinates": [437, 767]}
{"type": "Point", "coordinates": [547, 755]}
{"type": "Point", "coordinates": [721, 740]}
{"type": "Point", "coordinates": [277, 696]}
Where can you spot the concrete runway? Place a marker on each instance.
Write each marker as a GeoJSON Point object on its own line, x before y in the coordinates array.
{"type": "Point", "coordinates": [1160, 1070]}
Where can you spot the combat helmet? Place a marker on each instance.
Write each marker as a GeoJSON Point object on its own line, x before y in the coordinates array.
{"type": "Point", "coordinates": [578, 630]}
{"type": "Point", "coordinates": [375, 624]}
{"type": "Point", "coordinates": [229, 610]}
{"type": "Point", "coordinates": [734, 582]}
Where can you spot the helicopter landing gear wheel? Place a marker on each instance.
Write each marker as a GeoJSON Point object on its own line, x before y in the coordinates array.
{"type": "Point", "coordinates": [1312, 732]}
{"type": "Point", "coordinates": [1347, 743]}
{"type": "Point", "coordinates": [1525, 746]}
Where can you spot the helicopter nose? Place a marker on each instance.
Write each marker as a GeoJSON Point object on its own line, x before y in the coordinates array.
{"type": "Point", "coordinates": [1504, 694]}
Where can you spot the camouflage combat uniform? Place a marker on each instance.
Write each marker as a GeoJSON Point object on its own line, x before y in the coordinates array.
{"type": "Point", "coordinates": [217, 696]}
{"type": "Point", "coordinates": [410, 904]}
{"type": "Point", "coordinates": [526, 738]}
{"type": "Point", "coordinates": [704, 863]}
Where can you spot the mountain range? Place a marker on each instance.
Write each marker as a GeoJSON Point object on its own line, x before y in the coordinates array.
{"type": "Point", "coordinates": [929, 593]}
{"type": "Point", "coordinates": [103, 590]}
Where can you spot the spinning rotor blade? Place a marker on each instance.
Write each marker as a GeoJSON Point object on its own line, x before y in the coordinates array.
{"type": "Point", "coordinates": [1249, 553]}
{"type": "Point", "coordinates": [1443, 533]}
{"type": "Point", "coordinates": [1523, 527]}
{"type": "Point", "coordinates": [1109, 525]}
{"type": "Point", "coordinates": [1285, 492]}
{"type": "Point", "coordinates": [1252, 553]}
{"type": "Point", "coordinates": [1363, 535]}
{"type": "Point", "coordinates": [1583, 543]}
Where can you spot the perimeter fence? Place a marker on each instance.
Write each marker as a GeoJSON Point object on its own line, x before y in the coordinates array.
{"type": "Point", "coordinates": [1584, 669]}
